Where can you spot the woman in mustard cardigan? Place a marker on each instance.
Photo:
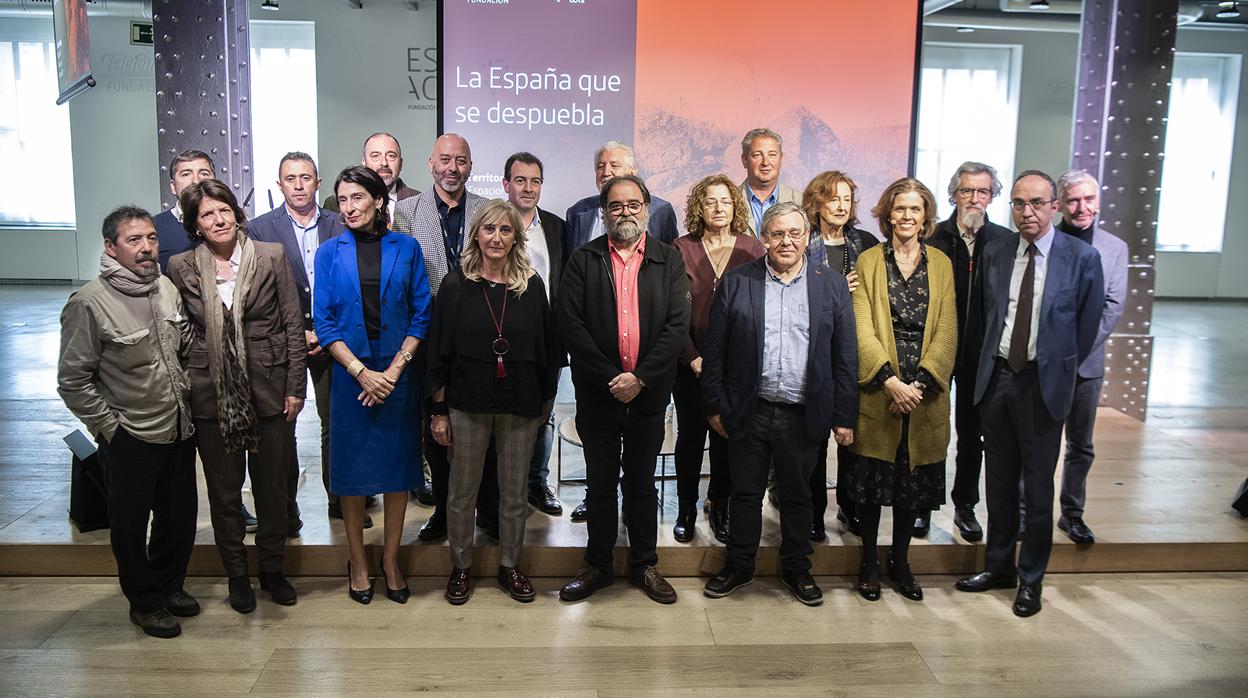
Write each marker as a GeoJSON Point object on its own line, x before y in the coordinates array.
{"type": "Point", "coordinates": [906, 318]}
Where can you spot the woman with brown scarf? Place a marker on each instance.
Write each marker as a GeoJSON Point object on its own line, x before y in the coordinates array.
{"type": "Point", "coordinates": [247, 374]}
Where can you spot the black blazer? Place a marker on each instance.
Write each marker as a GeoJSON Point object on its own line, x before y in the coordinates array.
{"type": "Point", "coordinates": [586, 322]}
{"type": "Point", "coordinates": [967, 280]}
{"type": "Point", "coordinates": [582, 214]}
{"type": "Point", "coordinates": [553, 229]}
{"type": "Point", "coordinates": [274, 226]}
{"type": "Point", "coordinates": [172, 238]}
{"type": "Point", "coordinates": [1070, 314]}
{"type": "Point", "coordinates": [733, 358]}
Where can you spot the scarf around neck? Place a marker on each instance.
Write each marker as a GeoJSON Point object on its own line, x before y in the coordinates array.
{"type": "Point", "coordinates": [126, 280]}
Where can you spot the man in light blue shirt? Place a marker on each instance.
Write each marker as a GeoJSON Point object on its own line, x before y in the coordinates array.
{"type": "Point", "coordinates": [762, 154]}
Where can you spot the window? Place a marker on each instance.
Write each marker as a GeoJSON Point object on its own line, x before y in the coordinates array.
{"type": "Point", "coordinates": [34, 137]}
{"type": "Point", "coordinates": [1204, 91]}
{"type": "Point", "coordinates": [283, 101]}
{"type": "Point", "coordinates": [968, 110]}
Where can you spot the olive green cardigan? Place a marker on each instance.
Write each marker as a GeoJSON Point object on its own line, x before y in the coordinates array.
{"type": "Point", "coordinates": [879, 431]}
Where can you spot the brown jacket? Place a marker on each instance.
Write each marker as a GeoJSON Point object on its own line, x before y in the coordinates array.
{"type": "Point", "coordinates": [272, 322]}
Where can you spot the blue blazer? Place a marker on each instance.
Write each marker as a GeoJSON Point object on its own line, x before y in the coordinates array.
{"type": "Point", "coordinates": [275, 226]}
{"type": "Point", "coordinates": [1070, 314]}
{"type": "Point", "coordinates": [338, 309]}
{"type": "Point", "coordinates": [172, 238]}
{"type": "Point", "coordinates": [733, 357]}
{"type": "Point", "coordinates": [581, 216]}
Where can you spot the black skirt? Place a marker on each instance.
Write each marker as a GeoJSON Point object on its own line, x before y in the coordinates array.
{"type": "Point", "coordinates": [875, 481]}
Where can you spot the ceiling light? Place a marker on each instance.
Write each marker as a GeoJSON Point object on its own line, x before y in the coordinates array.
{"type": "Point", "coordinates": [1039, 4]}
{"type": "Point", "coordinates": [269, 5]}
{"type": "Point", "coordinates": [965, 30]}
{"type": "Point", "coordinates": [1230, 10]}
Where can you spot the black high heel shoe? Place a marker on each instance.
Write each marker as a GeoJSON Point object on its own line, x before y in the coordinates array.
{"type": "Point", "coordinates": [397, 595]}
{"type": "Point", "coordinates": [364, 596]}
{"type": "Point", "coordinates": [868, 586]}
{"type": "Point", "coordinates": [909, 588]}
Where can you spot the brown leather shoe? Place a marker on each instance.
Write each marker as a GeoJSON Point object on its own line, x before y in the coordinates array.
{"type": "Point", "coordinates": [653, 583]}
{"type": "Point", "coordinates": [513, 581]}
{"type": "Point", "coordinates": [457, 591]}
{"type": "Point", "coordinates": [585, 583]}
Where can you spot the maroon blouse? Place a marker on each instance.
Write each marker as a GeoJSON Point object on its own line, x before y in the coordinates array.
{"type": "Point", "coordinates": [702, 282]}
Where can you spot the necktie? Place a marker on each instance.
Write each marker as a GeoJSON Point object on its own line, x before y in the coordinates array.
{"type": "Point", "coordinates": [1020, 336]}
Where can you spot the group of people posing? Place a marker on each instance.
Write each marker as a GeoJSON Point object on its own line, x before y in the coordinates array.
{"type": "Point", "coordinates": [434, 326]}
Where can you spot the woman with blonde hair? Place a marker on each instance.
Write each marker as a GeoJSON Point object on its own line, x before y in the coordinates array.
{"type": "Point", "coordinates": [493, 368]}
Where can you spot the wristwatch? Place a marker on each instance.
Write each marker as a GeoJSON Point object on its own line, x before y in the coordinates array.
{"type": "Point", "coordinates": [407, 355]}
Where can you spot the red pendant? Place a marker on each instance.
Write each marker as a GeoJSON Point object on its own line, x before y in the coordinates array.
{"type": "Point", "coordinates": [501, 372]}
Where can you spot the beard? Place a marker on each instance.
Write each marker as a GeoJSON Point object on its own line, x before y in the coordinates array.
{"type": "Point", "coordinates": [971, 219]}
{"type": "Point", "coordinates": [625, 230]}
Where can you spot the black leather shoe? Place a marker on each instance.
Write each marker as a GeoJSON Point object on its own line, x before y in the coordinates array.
{"type": "Point", "coordinates": [434, 529]}
{"type": "Point", "coordinates": [685, 527]}
{"type": "Point", "coordinates": [903, 580]}
{"type": "Point", "coordinates": [726, 582]}
{"type": "Point", "coordinates": [985, 581]}
{"type": "Point", "coordinates": [585, 583]}
{"type": "Point", "coordinates": [457, 587]}
{"type": "Point", "coordinates": [296, 525]}
{"type": "Point", "coordinates": [335, 512]}
{"type": "Point", "coordinates": [488, 524]}
{"type": "Point", "coordinates": [803, 587]}
{"type": "Point", "coordinates": [518, 586]}
{"type": "Point", "coordinates": [364, 596]}
{"type": "Point", "coordinates": [868, 586]}
{"type": "Point", "coordinates": [1027, 603]}
{"type": "Point", "coordinates": [181, 604]}
{"type": "Point", "coordinates": [656, 587]}
{"type": "Point", "coordinates": [423, 494]}
{"type": "Point", "coordinates": [922, 524]}
{"type": "Point", "coordinates": [1076, 530]}
{"type": "Point", "coordinates": [242, 598]}
{"type": "Point", "coordinates": [544, 499]}
{"type": "Point", "coordinates": [159, 623]}
{"type": "Point", "coordinates": [717, 515]}
{"type": "Point", "coordinates": [580, 513]}
{"type": "Point", "coordinates": [399, 595]}
{"type": "Point", "coordinates": [249, 521]}
{"type": "Point", "coordinates": [279, 588]}
{"type": "Point", "coordinates": [818, 533]}
{"type": "Point", "coordinates": [849, 523]}
{"type": "Point", "coordinates": [968, 525]}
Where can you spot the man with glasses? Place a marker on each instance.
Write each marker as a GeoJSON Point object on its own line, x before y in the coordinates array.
{"type": "Point", "coordinates": [585, 218]}
{"type": "Point", "coordinates": [1042, 297]}
{"type": "Point", "coordinates": [963, 237]}
{"type": "Point", "coordinates": [779, 410]}
{"type": "Point", "coordinates": [623, 315]}
{"type": "Point", "coordinates": [383, 155]}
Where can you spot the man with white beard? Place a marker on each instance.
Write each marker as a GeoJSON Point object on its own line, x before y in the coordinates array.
{"type": "Point", "coordinates": [962, 237]}
{"type": "Point", "coordinates": [623, 315]}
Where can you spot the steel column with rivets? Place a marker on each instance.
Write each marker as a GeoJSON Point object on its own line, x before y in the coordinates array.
{"type": "Point", "coordinates": [203, 87]}
{"type": "Point", "coordinates": [1126, 56]}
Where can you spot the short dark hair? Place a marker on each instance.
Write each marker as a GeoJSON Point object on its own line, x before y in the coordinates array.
{"type": "Point", "coordinates": [376, 188]}
{"type": "Point", "coordinates": [526, 158]}
{"type": "Point", "coordinates": [188, 156]}
{"type": "Point", "coordinates": [364, 147]}
{"type": "Point", "coordinates": [1041, 175]}
{"type": "Point", "coordinates": [620, 179]}
{"type": "Point", "coordinates": [300, 156]}
{"type": "Point", "coordinates": [123, 214]}
{"type": "Point", "coordinates": [194, 195]}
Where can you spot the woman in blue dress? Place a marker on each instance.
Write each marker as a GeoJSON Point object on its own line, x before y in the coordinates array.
{"type": "Point", "coordinates": [371, 312]}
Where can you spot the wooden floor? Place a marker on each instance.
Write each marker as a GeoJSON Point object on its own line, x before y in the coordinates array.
{"type": "Point", "coordinates": [1098, 635]}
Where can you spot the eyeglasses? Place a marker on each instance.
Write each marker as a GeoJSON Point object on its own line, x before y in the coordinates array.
{"type": "Point", "coordinates": [1035, 204]}
{"type": "Point", "coordinates": [968, 192]}
{"type": "Point", "coordinates": [618, 207]}
{"type": "Point", "coordinates": [793, 235]}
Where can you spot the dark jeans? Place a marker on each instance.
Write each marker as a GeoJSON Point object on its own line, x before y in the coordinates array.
{"type": "Point", "coordinates": [155, 481]}
{"type": "Point", "coordinates": [617, 438]}
{"type": "Point", "coordinates": [691, 436]}
{"type": "Point", "coordinates": [223, 476]}
{"type": "Point", "coordinates": [1079, 453]}
{"type": "Point", "coordinates": [965, 494]}
{"type": "Point", "coordinates": [1021, 442]}
{"type": "Point", "coordinates": [539, 469]}
{"type": "Point", "coordinates": [776, 435]}
{"type": "Point", "coordinates": [819, 483]}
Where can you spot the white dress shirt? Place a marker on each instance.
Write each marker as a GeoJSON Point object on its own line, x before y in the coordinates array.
{"type": "Point", "coordinates": [225, 288]}
{"type": "Point", "coordinates": [539, 253]}
{"type": "Point", "coordinates": [1043, 245]}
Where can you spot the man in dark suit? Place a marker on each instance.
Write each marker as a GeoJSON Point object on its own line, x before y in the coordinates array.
{"type": "Point", "coordinates": [585, 218]}
{"type": "Point", "coordinates": [963, 237]}
{"type": "Point", "coordinates": [779, 372]}
{"type": "Point", "coordinates": [187, 168]}
{"type": "Point", "coordinates": [623, 314]}
{"type": "Point", "coordinates": [1043, 294]}
{"type": "Point", "coordinates": [300, 227]}
{"type": "Point", "coordinates": [383, 155]}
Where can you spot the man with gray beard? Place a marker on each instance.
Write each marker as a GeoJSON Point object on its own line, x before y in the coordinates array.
{"type": "Point", "coordinates": [623, 314]}
{"type": "Point", "coordinates": [962, 237]}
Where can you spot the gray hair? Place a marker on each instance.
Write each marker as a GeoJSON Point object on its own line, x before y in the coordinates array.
{"type": "Point", "coordinates": [1072, 178]}
{"type": "Point", "coordinates": [784, 209]}
{"type": "Point", "coordinates": [756, 133]}
{"type": "Point", "coordinates": [973, 168]}
{"type": "Point", "coordinates": [617, 145]}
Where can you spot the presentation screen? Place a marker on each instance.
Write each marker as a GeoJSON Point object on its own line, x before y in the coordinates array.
{"type": "Point", "coordinates": [73, 53]}
{"type": "Point", "coordinates": [681, 82]}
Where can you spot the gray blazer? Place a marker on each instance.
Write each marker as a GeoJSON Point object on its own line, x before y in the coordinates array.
{"type": "Point", "coordinates": [418, 216]}
{"type": "Point", "coordinates": [783, 193]}
{"type": "Point", "coordinates": [1114, 265]}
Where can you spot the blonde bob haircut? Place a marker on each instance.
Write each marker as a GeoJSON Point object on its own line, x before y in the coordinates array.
{"type": "Point", "coordinates": [906, 185]}
{"type": "Point", "coordinates": [517, 268]}
{"type": "Point", "coordinates": [695, 222]}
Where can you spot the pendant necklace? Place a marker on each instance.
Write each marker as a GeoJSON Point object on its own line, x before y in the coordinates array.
{"type": "Point", "coordinates": [500, 346]}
